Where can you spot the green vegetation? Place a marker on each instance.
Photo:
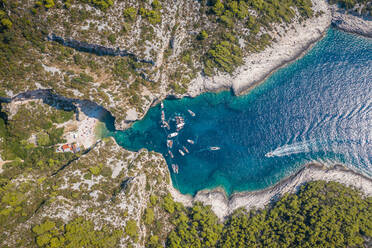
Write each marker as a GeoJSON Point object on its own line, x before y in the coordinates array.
{"type": "Point", "coordinates": [153, 16]}
{"type": "Point", "coordinates": [131, 229]}
{"type": "Point", "coordinates": [130, 13]}
{"type": "Point", "coordinates": [320, 215]}
{"type": "Point", "coordinates": [363, 6]}
{"type": "Point", "coordinates": [46, 3]}
{"type": "Point", "coordinates": [197, 227]}
{"type": "Point", "coordinates": [77, 233]}
{"type": "Point", "coordinates": [202, 35]}
{"type": "Point", "coordinates": [5, 22]}
{"type": "Point", "coordinates": [41, 121]}
{"type": "Point", "coordinates": [224, 56]}
{"type": "Point", "coordinates": [101, 4]}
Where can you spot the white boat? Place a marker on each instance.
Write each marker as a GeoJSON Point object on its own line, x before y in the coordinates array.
{"type": "Point", "coordinates": [180, 125]}
{"type": "Point", "coordinates": [190, 141]}
{"type": "Point", "coordinates": [186, 150]}
{"type": "Point", "coordinates": [162, 105]}
{"type": "Point", "coordinates": [175, 168]}
{"type": "Point", "coordinates": [170, 143]}
{"type": "Point", "coordinates": [165, 124]}
{"type": "Point", "coordinates": [191, 113]}
{"type": "Point", "coordinates": [171, 154]}
{"type": "Point", "coordinates": [172, 135]}
{"type": "Point", "coordinates": [182, 153]}
{"type": "Point", "coordinates": [214, 148]}
{"type": "Point", "coordinates": [269, 154]}
{"type": "Point", "coordinates": [162, 115]}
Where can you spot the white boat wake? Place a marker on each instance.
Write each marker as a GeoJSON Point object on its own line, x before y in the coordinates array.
{"type": "Point", "coordinates": [298, 147]}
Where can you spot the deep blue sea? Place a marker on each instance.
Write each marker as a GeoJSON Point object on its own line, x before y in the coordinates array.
{"type": "Point", "coordinates": [318, 108]}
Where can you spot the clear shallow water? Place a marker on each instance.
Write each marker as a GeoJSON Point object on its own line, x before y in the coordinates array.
{"type": "Point", "coordinates": [318, 108]}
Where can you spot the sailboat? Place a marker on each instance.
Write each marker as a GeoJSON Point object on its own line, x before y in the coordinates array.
{"type": "Point", "coordinates": [186, 150]}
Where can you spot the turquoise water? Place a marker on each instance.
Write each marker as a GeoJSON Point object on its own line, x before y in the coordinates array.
{"type": "Point", "coordinates": [316, 109]}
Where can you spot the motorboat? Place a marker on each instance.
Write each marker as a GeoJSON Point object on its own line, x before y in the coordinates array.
{"type": "Point", "coordinates": [269, 154]}
{"type": "Point", "coordinates": [165, 124]}
{"type": "Point", "coordinates": [214, 148]}
{"type": "Point", "coordinates": [175, 168]}
{"type": "Point", "coordinates": [186, 150]}
{"type": "Point", "coordinates": [170, 154]}
{"type": "Point", "coordinates": [162, 105]}
{"type": "Point", "coordinates": [171, 135]}
{"type": "Point", "coordinates": [180, 126]}
{"type": "Point", "coordinates": [181, 152]}
{"type": "Point", "coordinates": [191, 113]}
{"type": "Point", "coordinates": [162, 115]}
{"type": "Point", "coordinates": [170, 143]}
{"type": "Point", "coordinates": [190, 141]}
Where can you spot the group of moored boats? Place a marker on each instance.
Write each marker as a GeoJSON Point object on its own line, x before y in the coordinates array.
{"type": "Point", "coordinates": [179, 123]}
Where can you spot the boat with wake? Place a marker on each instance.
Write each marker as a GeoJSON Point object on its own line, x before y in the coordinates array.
{"type": "Point", "coordinates": [214, 148]}
{"type": "Point", "coordinates": [269, 155]}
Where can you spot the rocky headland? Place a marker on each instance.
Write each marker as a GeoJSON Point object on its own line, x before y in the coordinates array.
{"type": "Point", "coordinates": [223, 206]}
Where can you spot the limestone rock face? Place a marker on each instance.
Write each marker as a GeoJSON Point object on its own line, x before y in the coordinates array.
{"type": "Point", "coordinates": [352, 23]}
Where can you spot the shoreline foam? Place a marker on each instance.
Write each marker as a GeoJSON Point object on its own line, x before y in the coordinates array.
{"type": "Point", "coordinates": [223, 206]}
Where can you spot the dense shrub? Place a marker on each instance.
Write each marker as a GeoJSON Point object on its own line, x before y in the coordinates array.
{"type": "Point", "coordinates": [321, 215]}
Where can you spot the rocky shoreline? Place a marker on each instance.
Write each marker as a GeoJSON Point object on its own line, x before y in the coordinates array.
{"type": "Point", "coordinates": [351, 23]}
{"type": "Point", "coordinates": [290, 46]}
{"type": "Point", "coordinates": [224, 206]}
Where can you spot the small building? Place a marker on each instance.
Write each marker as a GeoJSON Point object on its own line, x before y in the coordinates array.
{"type": "Point", "coordinates": [66, 148]}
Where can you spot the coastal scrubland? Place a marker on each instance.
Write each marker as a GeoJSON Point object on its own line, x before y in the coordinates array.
{"type": "Point", "coordinates": [106, 196]}
{"type": "Point", "coordinates": [110, 197]}
{"type": "Point", "coordinates": [320, 215]}
{"type": "Point", "coordinates": [180, 40]}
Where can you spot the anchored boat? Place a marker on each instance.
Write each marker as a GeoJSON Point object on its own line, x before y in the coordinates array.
{"type": "Point", "coordinates": [186, 150]}
{"type": "Point", "coordinates": [191, 113]}
{"type": "Point", "coordinates": [170, 143]}
{"type": "Point", "coordinates": [172, 135]}
{"type": "Point", "coordinates": [175, 168]}
{"type": "Point", "coordinates": [170, 154]}
{"type": "Point", "coordinates": [181, 152]}
{"type": "Point", "coordinates": [190, 141]}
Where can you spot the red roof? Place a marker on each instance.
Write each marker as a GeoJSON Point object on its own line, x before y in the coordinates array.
{"type": "Point", "coordinates": [67, 146]}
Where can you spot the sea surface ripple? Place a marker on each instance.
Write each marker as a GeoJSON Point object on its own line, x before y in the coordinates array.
{"type": "Point", "coordinates": [316, 109]}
